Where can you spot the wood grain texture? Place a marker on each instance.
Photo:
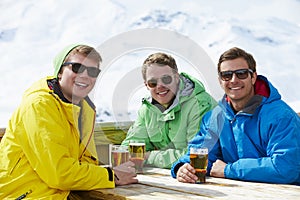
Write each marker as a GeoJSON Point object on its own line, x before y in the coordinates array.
{"type": "Point", "coordinates": [158, 184]}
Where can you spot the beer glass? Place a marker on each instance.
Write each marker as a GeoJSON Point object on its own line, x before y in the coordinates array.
{"type": "Point", "coordinates": [199, 159]}
{"type": "Point", "coordinates": [137, 153]}
{"type": "Point", "coordinates": [119, 155]}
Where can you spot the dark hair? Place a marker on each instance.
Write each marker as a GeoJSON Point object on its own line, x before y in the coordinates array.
{"type": "Point", "coordinates": [160, 59]}
{"type": "Point", "coordinates": [234, 53]}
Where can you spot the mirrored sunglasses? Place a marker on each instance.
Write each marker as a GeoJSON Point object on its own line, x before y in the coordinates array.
{"type": "Point", "coordinates": [79, 68]}
{"type": "Point", "coordinates": [240, 73]}
{"type": "Point", "coordinates": [166, 79]}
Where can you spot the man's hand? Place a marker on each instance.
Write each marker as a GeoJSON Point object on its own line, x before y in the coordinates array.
{"type": "Point", "coordinates": [125, 174]}
{"type": "Point", "coordinates": [217, 169]}
{"type": "Point", "coordinates": [186, 174]}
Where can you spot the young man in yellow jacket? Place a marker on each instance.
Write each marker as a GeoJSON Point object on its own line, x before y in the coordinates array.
{"type": "Point", "coordinates": [48, 149]}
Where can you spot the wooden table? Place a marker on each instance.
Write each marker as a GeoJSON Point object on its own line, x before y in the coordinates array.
{"type": "Point", "coordinates": [157, 184]}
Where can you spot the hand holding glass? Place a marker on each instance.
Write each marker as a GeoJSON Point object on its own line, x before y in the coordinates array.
{"type": "Point", "coordinates": [198, 160]}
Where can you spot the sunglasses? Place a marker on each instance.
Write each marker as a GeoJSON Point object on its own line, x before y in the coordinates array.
{"type": "Point", "coordinates": [240, 73]}
{"type": "Point", "coordinates": [166, 79]}
{"type": "Point", "coordinates": [79, 68]}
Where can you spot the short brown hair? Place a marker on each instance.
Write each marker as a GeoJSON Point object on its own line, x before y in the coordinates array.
{"type": "Point", "coordinates": [87, 51]}
{"type": "Point", "coordinates": [234, 53]}
{"type": "Point", "coordinates": [160, 59]}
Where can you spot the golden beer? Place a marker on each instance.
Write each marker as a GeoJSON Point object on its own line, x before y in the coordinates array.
{"type": "Point", "coordinates": [199, 160]}
{"type": "Point", "coordinates": [119, 155]}
{"type": "Point", "coordinates": [137, 153]}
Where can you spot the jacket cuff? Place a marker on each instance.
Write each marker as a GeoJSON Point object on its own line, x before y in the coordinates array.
{"type": "Point", "coordinates": [227, 171]}
{"type": "Point", "coordinates": [110, 174]}
{"type": "Point", "coordinates": [175, 169]}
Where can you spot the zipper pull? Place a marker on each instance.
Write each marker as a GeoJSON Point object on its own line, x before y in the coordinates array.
{"type": "Point", "coordinates": [23, 195]}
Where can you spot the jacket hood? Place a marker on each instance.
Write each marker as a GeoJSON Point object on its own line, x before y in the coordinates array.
{"type": "Point", "coordinates": [190, 85]}
{"type": "Point", "coordinates": [58, 60]}
{"type": "Point", "coordinates": [39, 86]}
{"type": "Point", "coordinates": [257, 100]}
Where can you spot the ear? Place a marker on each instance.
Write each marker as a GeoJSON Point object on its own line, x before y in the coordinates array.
{"type": "Point", "coordinates": [177, 76]}
{"type": "Point", "coordinates": [146, 85]}
{"type": "Point", "coordinates": [254, 77]}
{"type": "Point", "coordinates": [220, 82]}
{"type": "Point", "coordinates": [59, 75]}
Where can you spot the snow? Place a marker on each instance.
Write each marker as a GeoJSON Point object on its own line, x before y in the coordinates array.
{"type": "Point", "coordinates": [32, 32]}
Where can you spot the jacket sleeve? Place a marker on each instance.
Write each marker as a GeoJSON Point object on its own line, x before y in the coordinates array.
{"type": "Point", "coordinates": [199, 140]}
{"type": "Point", "coordinates": [48, 148]}
{"type": "Point", "coordinates": [281, 165]}
{"type": "Point", "coordinates": [206, 137]}
{"type": "Point", "coordinates": [138, 131]}
{"type": "Point", "coordinates": [181, 161]}
{"type": "Point", "coordinates": [164, 158]}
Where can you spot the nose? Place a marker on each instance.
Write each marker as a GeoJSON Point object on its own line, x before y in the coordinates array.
{"type": "Point", "coordinates": [84, 73]}
{"type": "Point", "coordinates": [234, 78]}
{"type": "Point", "coordinates": [160, 83]}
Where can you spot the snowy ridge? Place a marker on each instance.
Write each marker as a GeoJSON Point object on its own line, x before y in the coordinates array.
{"type": "Point", "coordinates": [31, 33]}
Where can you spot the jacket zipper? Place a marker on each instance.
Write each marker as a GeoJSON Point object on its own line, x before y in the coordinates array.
{"type": "Point", "coordinates": [24, 195]}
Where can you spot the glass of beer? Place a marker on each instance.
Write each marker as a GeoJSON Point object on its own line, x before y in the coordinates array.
{"type": "Point", "coordinates": [199, 159]}
{"type": "Point", "coordinates": [119, 155]}
{"type": "Point", "coordinates": [137, 153]}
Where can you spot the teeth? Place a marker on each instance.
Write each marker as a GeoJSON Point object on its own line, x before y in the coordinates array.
{"type": "Point", "coordinates": [81, 84]}
{"type": "Point", "coordinates": [163, 92]}
{"type": "Point", "coordinates": [236, 88]}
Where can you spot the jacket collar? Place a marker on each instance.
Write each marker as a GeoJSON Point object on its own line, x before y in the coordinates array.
{"type": "Point", "coordinates": [54, 85]}
{"type": "Point", "coordinates": [264, 92]}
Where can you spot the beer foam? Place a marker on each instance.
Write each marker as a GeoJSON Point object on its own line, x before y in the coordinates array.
{"type": "Point", "coordinates": [137, 144]}
{"type": "Point", "coordinates": [120, 150]}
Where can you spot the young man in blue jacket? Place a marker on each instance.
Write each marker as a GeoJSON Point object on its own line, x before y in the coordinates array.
{"type": "Point", "coordinates": [252, 134]}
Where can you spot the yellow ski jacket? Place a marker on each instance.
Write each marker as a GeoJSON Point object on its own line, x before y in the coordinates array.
{"type": "Point", "coordinates": [41, 153]}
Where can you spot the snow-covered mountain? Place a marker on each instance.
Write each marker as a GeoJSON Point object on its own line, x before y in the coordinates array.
{"type": "Point", "coordinates": [31, 33]}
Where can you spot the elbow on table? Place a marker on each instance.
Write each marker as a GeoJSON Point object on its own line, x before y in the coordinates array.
{"type": "Point", "coordinates": [289, 177]}
{"type": "Point", "coordinates": [286, 176]}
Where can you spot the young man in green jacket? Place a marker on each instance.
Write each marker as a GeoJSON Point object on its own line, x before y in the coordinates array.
{"type": "Point", "coordinates": [171, 116]}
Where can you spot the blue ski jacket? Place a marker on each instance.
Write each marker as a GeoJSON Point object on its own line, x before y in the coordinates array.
{"type": "Point", "coordinates": [260, 143]}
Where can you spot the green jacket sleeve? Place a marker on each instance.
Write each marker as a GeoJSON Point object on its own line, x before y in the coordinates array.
{"type": "Point", "coordinates": [138, 131]}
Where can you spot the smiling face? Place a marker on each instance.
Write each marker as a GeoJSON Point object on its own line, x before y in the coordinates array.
{"type": "Point", "coordinates": [74, 86]}
{"type": "Point", "coordinates": [240, 91]}
{"type": "Point", "coordinates": [163, 93]}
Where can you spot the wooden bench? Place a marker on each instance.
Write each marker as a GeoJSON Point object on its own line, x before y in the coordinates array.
{"type": "Point", "coordinates": [111, 132]}
{"type": "Point", "coordinates": [105, 133]}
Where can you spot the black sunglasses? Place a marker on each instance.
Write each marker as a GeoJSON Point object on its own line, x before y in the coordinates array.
{"type": "Point", "coordinates": [166, 79]}
{"type": "Point", "coordinates": [240, 73]}
{"type": "Point", "coordinates": [79, 68]}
